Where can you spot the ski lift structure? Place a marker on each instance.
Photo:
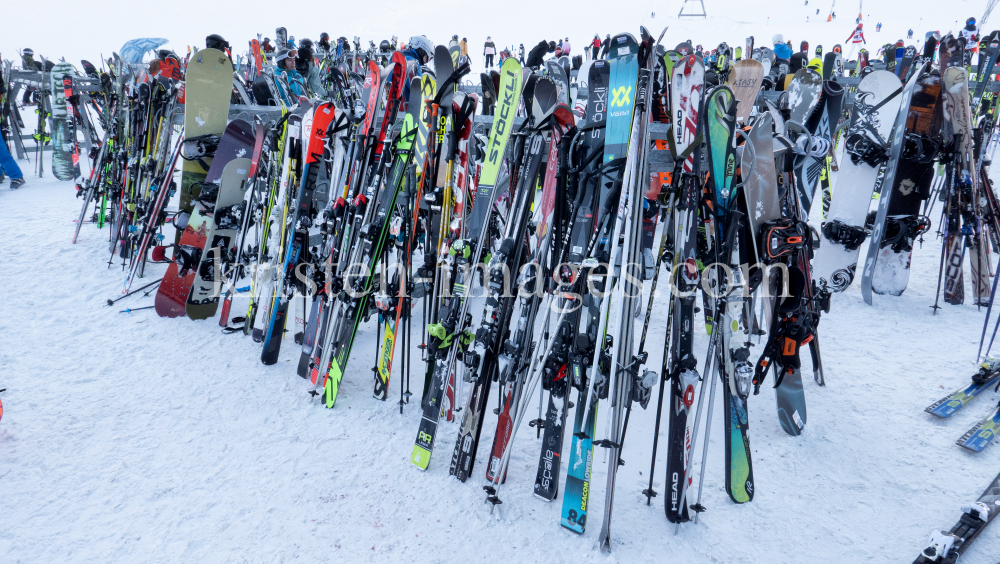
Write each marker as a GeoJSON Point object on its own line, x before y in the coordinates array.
{"type": "Point", "coordinates": [692, 14]}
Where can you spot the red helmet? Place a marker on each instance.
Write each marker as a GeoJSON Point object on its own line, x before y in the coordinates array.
{"type": "Point", "coordinates": [861, 25]}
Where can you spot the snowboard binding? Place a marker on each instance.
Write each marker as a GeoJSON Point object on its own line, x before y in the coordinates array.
{"type": "Point", "coordinates": [842, 234]}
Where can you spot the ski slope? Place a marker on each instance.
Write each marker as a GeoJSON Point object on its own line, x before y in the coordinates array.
{"type": "Point", "coordinates": [127, 437]}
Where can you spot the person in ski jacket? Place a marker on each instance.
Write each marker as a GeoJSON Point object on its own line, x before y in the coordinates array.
{"type": "Point", "coordinates": [878, 27]}
{"type": "Point", "coordinates": [971, 34]}
{"type": "Point", "coordinates": [781, 49]}
{"type": "Point", "coordinates": [285, 60]}
{"type": "Point", "coordinates": [464, 46]}
{"type": "Point", "coordinates": [858, 35]}
{"type": "Point", "coordinates": [266, 45]}
{"type": "Point", "coordinates": [520, 54]}
{"type": "Point", "coordinates": [595, 46]}
{"type": "Point", "coordinates": [305, 64]}
{"type": "Point", "coordinates": [324, 42]}
{"type": "Point", "coordinates": [537, 54]}
{"type": "Point", "coordinates": [418, 51]}
{"type": "Point", "coordinates": [453, 42]}
{"type": "Point", "coordinates": [605, 45]}
{"type": "Point", "coordinates": [489, 50]}
{"type": "Point", "coordinates": [566, 47]}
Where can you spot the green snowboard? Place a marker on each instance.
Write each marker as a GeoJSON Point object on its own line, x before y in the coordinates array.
{"type": "Point", "coordinates": [207, 88]}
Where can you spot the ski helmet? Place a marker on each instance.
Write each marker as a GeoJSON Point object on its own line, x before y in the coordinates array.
{"type": "Point", "coordinates": [422, 46]}
{"type": "Point", "coordinates": [324, 36]}
{"type": "Point", "coordinates": [385, 45]}
{"type": "Point", "coordinates": [778, 38]}
{"type": "Point", "coordinates": [455, 37]}
{"type": "Point", "coordinates": [861, 26]}
{"type": "Point", "coordinates": [28, 52]}
{"type": "Point", "coordinates": [215, 41]}
{"type": "Point", "coordinates": [970, 22]}
{"type": "Point", "coordinates": [283, 54]}
{"type": "Point", "coordinates": [306, 43]}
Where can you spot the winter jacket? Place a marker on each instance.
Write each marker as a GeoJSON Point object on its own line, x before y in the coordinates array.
{"type": "Point", "coordinates": [537, 54]}
{"type": "Point", "coordinates": [857, 36]}
{"type": "Point", "coordinates": [412, 61]}
{"type": "Point", "coordinates": [605, 45]}
{"type": "Point", "coordinates": [489, 48]}
{"type": "Point", "coordinates": [971, 36]}
{"type": "Point", "coordinates": [782, 51]}
{"type": "Point", "coordinates": [566, 47]}
{"type": "Point", "coordinates": [295, 84]}
{"type": "Point", "coordinates": [465, 48]}
{"type": "Point", "coordinates": [596, 43]}
{"type": "Point", "coordinates": [313, 81]}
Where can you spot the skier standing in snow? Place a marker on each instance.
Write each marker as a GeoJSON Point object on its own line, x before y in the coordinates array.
{"type": "Point", "coordinates": [856, 38]}
{"type": "Point", "coordinates": [595, 46]}
{"type": "Point", "coordinates": [489, 50]}
{"type": "Point", "coordinates": [266, 45]}
{"type": "Point", "coordinates": [605, 45]}
{"type": "Point", "coordinates": [909, 34]}
{"type": "Point", "coordinates": [520, 54]}
{"type": "Point", "coordinates": [464, 46]}
{"type": "Point", "coordinates": [970, 33]}
{"type": "Point", "coordinates": [878, 27]}
{"type": "Point", "coordinates": [324, 42]}
{"type": "Point", "coordinates": [566, 47]}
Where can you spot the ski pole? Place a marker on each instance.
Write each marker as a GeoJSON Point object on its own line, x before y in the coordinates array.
{"type": "Point", "coordinates": [698, 507]}
{"type": "Point", "coordinates": [112, 302]}
{"type": "Point", "coordinates": [127, 310]}
{"type": "Point", "coordinates": [697, 417]}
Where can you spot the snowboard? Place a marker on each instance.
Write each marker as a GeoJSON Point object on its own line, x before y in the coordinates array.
{"type": "Point", "coordinates": [207, 88]}
{"type": "Point", "coordinates": [911, 186]}
{"type": "Point", "coordinates": [895, 152]}
{"type": "Point", "coordinates": [237, 143]}
{"type": "Point", "coordinates": [226, 219]}
{"type": "Point", "coordinates": [746, 81]}
{"type": "Point", "coordinates": [875, 107]}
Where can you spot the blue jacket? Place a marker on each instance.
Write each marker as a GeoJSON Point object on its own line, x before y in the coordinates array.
{"type": "Point", "coordinates": [782, 51]}
{"type": "Point", "coordinates": [295, 84]}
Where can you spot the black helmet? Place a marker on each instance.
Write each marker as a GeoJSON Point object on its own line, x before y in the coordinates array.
{"type": "Point", "coordinates": [306, 43]}
{"type": "Point", "coordinates": [970, 21]}
{"type": "Point", "coordinates": [162, 54]}
{"type": "Point", "coordinates": [324, 36]}
{"type": "Point", "coordinates": [28, 52]}
{"type": "Point", "coordinates": [384, 45]}
{"type": "Point", "coordinates": [267, 40]}
{"type": "Point", "coordinates": [215, 41]}
{"type": "Point", "coordinates": [552, 46]}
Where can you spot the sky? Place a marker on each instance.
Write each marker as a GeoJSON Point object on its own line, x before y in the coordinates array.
{"type": "Point", "coordinates": [68, 31]}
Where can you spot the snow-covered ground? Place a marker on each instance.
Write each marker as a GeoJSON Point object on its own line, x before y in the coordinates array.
{"type": "Point", "coordinates": [127, 437]}
{"type": "Point", "coordinates": [131, 438]}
